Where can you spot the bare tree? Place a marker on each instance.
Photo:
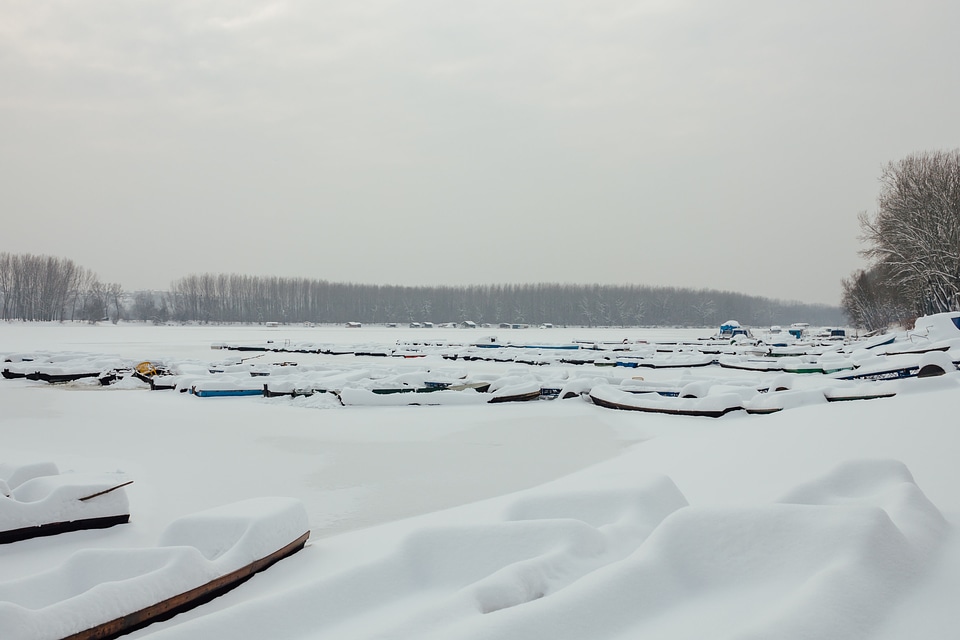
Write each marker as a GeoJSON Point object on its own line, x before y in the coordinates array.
{"type": "Point", "coordinates": [95, 304]}
{"type": "Point", "coordinates": [586, 310]}
{"type": "Point", "coordinates": [620, 311]}
{"type": "Point", "coordinates": [638, 312]}
{"type": "Point", "coordinates": [113, 294]}
{"type": "Point", "coordinates": [145, 306]}
{"type": "Point", "coordinates": [6, 284]}
{"type": "Point", "coordinates": [871, 301]}
{"type": "Point", "coordinates": [915, 233]}
{"type": "Point", "coordinates": [37, 287]}
{"type": "Point", "coordinates": [705, 310]}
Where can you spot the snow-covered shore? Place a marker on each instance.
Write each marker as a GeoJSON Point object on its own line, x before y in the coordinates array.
{"type": "Point", "coordinates": [543, 519]}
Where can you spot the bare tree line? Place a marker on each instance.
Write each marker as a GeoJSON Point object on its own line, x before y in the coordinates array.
{"type": "Point", "coordinates": [36, 287]}
{"type": "Point", "coordinates": [57, 289]}
{"type": "Point", "coordinates": [913, 243]}
{"type": "Point", "coordinates": [220, 298]}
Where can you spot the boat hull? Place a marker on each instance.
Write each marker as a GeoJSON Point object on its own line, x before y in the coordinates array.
{"type": "Point", "coordinates": [56, 528]}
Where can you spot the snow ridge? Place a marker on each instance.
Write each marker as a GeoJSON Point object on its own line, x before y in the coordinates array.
{"type": "Point", "coordinates": [827, 560]}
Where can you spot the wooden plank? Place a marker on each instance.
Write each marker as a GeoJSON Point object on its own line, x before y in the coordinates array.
{"type": "Point", "coordinates": [105, 491]}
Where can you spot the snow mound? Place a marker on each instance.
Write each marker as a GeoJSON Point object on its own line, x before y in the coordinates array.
{"type": "Point", "coordinates": [235, 535]}
{"type": "Point", "coordinates": [829, 560]}
{"type": "Point", "coordinates": [882, 484]}
{"type": "Point", "coordinates": [13, 475]}
{"type": "Point", "coordinates": [95, 586]}
{"type": "Point", "coordinates": [789, 399]}
{"type": "Point", "coordinates": [54, 498]}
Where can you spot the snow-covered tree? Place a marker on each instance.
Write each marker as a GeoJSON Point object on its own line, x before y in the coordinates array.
{"type": "Point", "coordinates": [915, 233]}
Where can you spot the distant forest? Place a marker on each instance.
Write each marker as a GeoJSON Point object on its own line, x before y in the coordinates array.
{"type": "Point", "coordinates": [237, 298]}
{"type": "Point", "coordinates": [57, 289]}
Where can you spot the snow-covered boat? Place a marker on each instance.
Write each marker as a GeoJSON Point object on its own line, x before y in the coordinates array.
{"type": "Point", "coordinates": [13, 372]}
{"type": "Point", "coordinates": [356, 396]}
{"type": "Point", "coordinates": [678, 360]}
{"type": "Point", "coordinates": [434, 386]}
{"type": "Point", "coordinates": [861, 391]}
{"type": "Point", "coordinates": [639, 385]}
{"type": "Point", "coordinates": [874, 342]}
{"type": "Point", "coordinates": [58, 368]}
{"type": "Point", "coordinates": [227, 384]}
{"type": "Point", "coordinates": [37, 500]}
{"type": "Point", "coordinates": [743, 363]}
{"type": "Point", "coordinates": [713, 406]}
{"type": "Point", "coordinates": [514, 389]}
{"type": "Point", "coordinates": [104, 593]}
{"type": "Point", "coordinates": [894, 367]}
{"type": "Point", "coordinates": [731, 330]}
{"type": "Point", "coordinates": [225, 393]}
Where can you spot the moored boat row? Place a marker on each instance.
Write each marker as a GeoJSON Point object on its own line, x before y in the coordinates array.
{"type": "Point", "coordinates": [440, 373]}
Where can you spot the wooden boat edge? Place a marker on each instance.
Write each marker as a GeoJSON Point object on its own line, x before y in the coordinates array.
{"type": "Point", "coordinates": [671, 412]}
{"type": "Point", "coordinates": [56, 528]}
{"type": "Point", "coordinates": [170, 607]}
{"type": "Point", "coordinates": [519, 397]}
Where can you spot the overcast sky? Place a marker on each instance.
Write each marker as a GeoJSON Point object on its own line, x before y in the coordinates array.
{"type": "Point", "coordinates": [690, 143]}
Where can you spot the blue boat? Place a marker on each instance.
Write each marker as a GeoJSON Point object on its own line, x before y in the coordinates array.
{"type": "Point", "coordinates": [218, 393]}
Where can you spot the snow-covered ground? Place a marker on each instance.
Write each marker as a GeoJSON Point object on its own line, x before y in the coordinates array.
{"type": "Point", "coordinates": [546, 519]}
